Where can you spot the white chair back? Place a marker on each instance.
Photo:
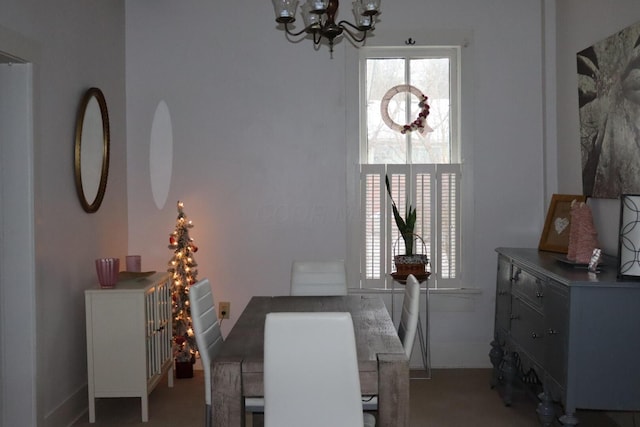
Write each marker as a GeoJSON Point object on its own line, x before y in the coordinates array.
{"type": "Point", "coordinates": [206, 328]}
{"type": "Point", "coordinates": [410, 311]}
{"type": "Point", "coordinates": [311, 354]}
{"type": "Point", "coordinates": [318, 278]}
{"type": "Point", "coordinates": [209, 340]}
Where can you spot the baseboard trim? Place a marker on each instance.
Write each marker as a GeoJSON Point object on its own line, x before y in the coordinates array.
{"type": "Point", "coordinates": [69, 411]}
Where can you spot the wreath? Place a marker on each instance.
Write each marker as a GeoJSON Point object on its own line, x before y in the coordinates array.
{"type": "Point", "coordinates": [420, 123]}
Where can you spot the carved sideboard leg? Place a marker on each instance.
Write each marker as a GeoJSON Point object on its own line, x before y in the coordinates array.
{"type": "Point", "coordinates": [495, 355]}
{"type": "Point", "coordinates": [509, 371]}
{"type": "Point", "coordinates": [545, 410]}
{"type": "Point", "coordinates": [569, 419]}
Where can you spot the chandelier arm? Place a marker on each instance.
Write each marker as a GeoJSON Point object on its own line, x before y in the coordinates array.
{"type": "Point", "coordinates": [345, 24]}
{"type": "Point", "coordinates": [291, 33]}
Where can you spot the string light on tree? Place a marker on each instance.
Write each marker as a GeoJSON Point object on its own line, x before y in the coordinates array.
{"type": "Point", "coordinates": [184, 272]}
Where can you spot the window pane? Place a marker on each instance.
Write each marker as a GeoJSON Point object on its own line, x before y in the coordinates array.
{"type": "Point", "coordinates": [432, 77]}
{"type": "Point", "coordinates": [384, 145]}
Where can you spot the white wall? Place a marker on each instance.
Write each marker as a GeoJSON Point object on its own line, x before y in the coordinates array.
{"type": "Point", "coordinates": [581, 23]}
{"type": "Point", "coordinates": [80, 44]}
{"type": "Point", "coordinates": [261, 135]}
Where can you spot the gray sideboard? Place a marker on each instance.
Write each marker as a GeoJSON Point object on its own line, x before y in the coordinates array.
{"type": "Point", "coordinates": [576, 332]}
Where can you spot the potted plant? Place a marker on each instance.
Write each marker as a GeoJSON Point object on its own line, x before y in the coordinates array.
{"type": "Point", "coordinates": [184, 356]}
{"type": "Point", "coordinates": [409, 263]}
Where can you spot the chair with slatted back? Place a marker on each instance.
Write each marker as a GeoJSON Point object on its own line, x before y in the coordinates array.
{"type": "Point", "coordinates": [318, 278]}
{"type": "Point", "coordinates": [406, 330]}
{"type": "Point", "coordinates": [209, 340]}
{"type": "Point", "coordinates": [312, 354]}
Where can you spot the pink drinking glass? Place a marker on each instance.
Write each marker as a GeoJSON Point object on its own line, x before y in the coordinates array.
{"type": "Point", "coordinates": [107, 269]}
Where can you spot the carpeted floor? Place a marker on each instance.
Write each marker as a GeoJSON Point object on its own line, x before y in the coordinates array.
{"type": "Point", "coordinates": [452, 398]}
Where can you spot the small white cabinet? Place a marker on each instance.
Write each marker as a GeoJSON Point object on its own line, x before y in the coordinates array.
{"type": "Point", "coordinates": [128, 339]}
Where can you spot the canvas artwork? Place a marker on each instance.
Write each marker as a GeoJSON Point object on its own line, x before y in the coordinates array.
{"type": "Point", "coordinates": [609, 105]}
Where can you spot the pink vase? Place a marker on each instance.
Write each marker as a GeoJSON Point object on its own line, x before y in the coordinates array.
{"type": "Point", "coordinates": [107, 269]}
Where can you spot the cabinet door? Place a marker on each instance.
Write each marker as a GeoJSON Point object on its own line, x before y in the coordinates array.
{"type": "Point", "coordinates": [503, 295]}
{"type": "Point", "coordinates": [153, 365]}
{"type": "Point", "coordinates": [556, 309]}
{"type": "Point", "coordinates": [164, 322]}
{"type": "Point", "coordinates": [159, 334]}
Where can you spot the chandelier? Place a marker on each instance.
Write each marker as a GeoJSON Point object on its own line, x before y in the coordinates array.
{"type": "Point", "coordinates": [319, 19]}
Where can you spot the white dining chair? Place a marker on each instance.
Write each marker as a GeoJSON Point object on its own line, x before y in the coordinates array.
{"type": "Point", "coordinates": [406, 330]}
{"type": "Point", "coordinates": [209, 340]}
{"type": "Point", "coordinates": [314, 278]}
{"type": "Point", "coordinates": [312, 354]}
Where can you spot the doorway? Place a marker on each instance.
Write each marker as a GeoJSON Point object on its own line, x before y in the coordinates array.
{"type": "Point", "coordinates": [17, 244]}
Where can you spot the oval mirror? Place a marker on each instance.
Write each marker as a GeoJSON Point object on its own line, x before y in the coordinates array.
{"type": "Point", "coordinates": [92, 149]}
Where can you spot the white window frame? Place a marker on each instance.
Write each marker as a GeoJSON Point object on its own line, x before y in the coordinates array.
{"type": "Point", "coordinates": [354, 183]}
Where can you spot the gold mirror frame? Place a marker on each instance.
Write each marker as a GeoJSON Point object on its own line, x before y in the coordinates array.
{"type": "Point", "coordinates": [86, 137]}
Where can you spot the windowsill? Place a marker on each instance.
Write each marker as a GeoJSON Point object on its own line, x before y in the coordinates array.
{"type": "Point", "coordinates": [400, 289]}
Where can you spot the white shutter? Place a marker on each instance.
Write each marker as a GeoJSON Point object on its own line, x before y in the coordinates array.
{"type": "Point", "coordinates": [434, 191]}
{"type": "Point", "coordinates": [372, 220]}
{"type": "Point", "coordinates": [448, 240]}
{"type": "Point", "coordinates": [424, 193]}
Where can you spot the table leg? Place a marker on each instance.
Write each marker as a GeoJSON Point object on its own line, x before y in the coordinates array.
{"type": "Point", "coordinates": [227, 403]}
{"type": "Point", "coordinates": [393, 390]}
{"type": "Point", "coordinates": [393, 305]}
{"type": "Point", "coordinates": [423, 336]}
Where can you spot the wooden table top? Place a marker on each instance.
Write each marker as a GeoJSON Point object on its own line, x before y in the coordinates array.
{"type": "Point", "coordinates": [374, 330]}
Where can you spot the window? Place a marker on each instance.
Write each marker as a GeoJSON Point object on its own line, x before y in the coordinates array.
{"type": "Point", "coordinates": [423, 167]}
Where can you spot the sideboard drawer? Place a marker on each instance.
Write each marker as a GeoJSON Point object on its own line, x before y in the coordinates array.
{"type": "Point", "coordinates": [527, 329]}
{"type": "Point", "coordinates": [528, 286]}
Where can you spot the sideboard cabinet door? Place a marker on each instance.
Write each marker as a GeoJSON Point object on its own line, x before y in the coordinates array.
{"type": "Point", "coordinates": [128, 339]}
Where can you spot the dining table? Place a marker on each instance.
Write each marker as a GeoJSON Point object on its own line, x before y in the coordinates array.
{"type": "Point", "coordinates": [237, 370]}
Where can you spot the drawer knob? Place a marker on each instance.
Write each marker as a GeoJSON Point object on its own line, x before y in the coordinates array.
{"type": "Point", "coordinates": [516, 274]}
{"type": "Point", "coordinates": [552, 332]}
{"type": "Point", "coordinates": [539, 294]}
{"type": "Point", "coordinates": [534, 335]}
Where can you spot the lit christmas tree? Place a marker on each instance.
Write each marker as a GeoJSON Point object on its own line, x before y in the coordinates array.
{"type": "Point", "coordinates": [182, 267]}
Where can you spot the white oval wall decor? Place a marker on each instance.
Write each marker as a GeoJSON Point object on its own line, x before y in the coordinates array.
{"type": "Point", "coordinates": [161, 154]}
